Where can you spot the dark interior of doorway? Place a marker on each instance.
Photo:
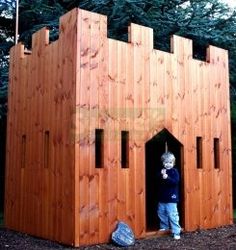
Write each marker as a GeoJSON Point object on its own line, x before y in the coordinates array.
{"type": "Point", "coordinates": [154, 149]}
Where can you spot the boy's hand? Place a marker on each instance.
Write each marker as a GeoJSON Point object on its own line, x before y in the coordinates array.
{"type": "Point", "coordinates": [164, 176]}
{"type": "Point", "coordinates": [163, 171]}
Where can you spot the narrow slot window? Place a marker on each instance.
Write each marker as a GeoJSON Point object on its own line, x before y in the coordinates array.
{"type": "Point", "coordinates": [46, 149]}
{"type": "Point", "coordinates": [23, 151]}
{"type": "Point", "coordinates": [124, 149]}
{"type": "Point", "coordinates": [216, 153]}
{"type": "Point", "coordinates": [99, 148]}
{"type": "Point", "coordinates": [199, 152]}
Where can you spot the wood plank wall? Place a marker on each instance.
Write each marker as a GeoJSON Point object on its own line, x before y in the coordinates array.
{"type": "Point", "coordinates": [40, 184]}
{"type": "Point", "coordinates": [143, 90]}
{"type": "Point", "coordinates": [84, 81]}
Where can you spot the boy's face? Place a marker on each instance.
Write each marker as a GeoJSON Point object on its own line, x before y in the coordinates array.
{"type": "Point", "coordinates": [168, 164]}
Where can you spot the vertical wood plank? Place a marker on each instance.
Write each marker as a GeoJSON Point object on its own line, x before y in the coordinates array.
{"type": "Point", "coordinates": [112, 135]}
{"type": "Point", "coordinates": [93, 116]}
{"type": "Point", "coordinates": [47, 108]}
{"type": "Point", "coordinates": [84, 126]}
{"type": "Point", "coordinates": [121, 211]}
{"type": "Point", "coordinates": [75, 134]}
{"type": "Point", "coordinates": [52, 141]}
{"type": "Point", "coordinates": [129, 104]}
{"type": "Point", "coordinates": [102, 123]}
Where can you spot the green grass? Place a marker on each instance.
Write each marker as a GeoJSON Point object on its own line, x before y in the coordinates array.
{"type": "Point", "coordinates": [234, 213]}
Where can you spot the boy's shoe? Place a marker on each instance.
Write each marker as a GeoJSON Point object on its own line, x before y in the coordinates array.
{"type": "Point", "coordinates": [163, 231]}
{"type": "Point", "coordinates": [176, 236]}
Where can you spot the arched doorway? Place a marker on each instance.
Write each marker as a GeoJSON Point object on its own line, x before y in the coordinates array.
{"type": "Point", "coordinates": [154, 148]}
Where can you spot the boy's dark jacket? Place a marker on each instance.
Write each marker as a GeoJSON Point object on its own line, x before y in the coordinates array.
{"type": "Point", "coordinates": [168, 189]}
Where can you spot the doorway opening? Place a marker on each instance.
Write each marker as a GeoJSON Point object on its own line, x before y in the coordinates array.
{"type": "Point", "coordinates": [154, 148]}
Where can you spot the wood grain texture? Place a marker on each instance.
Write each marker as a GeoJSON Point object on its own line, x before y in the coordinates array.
{"type": "Point", "coordinates": [63, 91]}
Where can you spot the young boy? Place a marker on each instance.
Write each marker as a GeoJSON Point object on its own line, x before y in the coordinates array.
{"type": "Point", "coordinates": [169, 196]}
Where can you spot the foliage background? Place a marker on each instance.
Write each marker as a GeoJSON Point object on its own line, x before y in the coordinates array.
{"type": "Point", "coordinates": [206, 22]}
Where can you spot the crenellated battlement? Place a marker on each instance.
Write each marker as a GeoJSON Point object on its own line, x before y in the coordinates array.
{"type": "Point", "coordinates": [138, 35]}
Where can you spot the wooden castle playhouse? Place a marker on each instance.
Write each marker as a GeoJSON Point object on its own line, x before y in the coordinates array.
{"type": "Point", "coordinates": [88, 120]}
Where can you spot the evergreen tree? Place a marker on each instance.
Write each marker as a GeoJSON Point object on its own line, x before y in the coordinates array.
{"type": "Point", "coordinates": [6, 41]}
